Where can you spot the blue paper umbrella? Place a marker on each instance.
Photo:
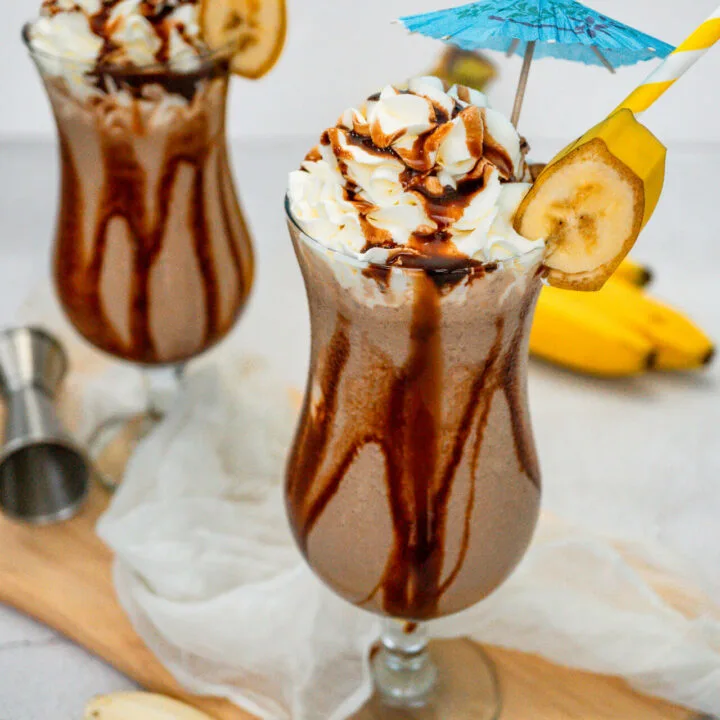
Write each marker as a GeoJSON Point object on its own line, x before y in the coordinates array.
{"type": "Point", "coordinates": [539, 28]}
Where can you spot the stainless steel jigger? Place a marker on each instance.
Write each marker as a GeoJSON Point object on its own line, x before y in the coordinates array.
{"type": "Point", "coordinates": [44, 474]}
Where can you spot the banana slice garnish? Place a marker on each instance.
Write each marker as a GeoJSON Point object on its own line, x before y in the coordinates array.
{"type": "Point", "coordinates": [254, 29]}
{"type": "Point", "coordinates": [592, 201]}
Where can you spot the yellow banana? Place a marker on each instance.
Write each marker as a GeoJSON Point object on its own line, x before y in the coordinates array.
{"type": "Point", "coordinates": [568, 333]}
{"type": "Point", "coordinates": [679, 343]}
{"type": "Point", "coordinates": [140, 706]}
{"type": "Point", "coordinates": [634, 273]}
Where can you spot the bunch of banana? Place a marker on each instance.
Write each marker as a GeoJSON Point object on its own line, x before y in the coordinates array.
{"type": "Point", "coordinates": [140, 706]}
{"type": "Point", "coordinates": [619, 330]}
{"type": "Point", "coordinates": [590, 204]}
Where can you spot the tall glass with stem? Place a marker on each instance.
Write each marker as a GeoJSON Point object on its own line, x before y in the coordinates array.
{"type": "Point", "coordinates": [413, 486]}
{"type": "Point", "coordinates": [153, 262]}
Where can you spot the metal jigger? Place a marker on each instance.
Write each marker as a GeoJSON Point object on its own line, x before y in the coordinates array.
{"type": "Point", "coordinates": [44, 474]}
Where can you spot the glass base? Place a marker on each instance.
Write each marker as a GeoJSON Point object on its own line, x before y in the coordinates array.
{"type": "Point", "coordinates": [467, 687]}
{"type": "Point", "coordinates": [113, 443]}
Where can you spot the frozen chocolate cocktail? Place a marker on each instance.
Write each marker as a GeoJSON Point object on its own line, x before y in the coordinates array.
{"type": "Point", "coordinates": [152, 262]}
{"type": "Point", "coordinates": [413, 485]}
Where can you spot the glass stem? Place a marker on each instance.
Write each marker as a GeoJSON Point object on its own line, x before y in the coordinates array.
{"type": "Point", "coordinates": [403, 670]}
{"type": "Point", "coordinates": [162, 385]}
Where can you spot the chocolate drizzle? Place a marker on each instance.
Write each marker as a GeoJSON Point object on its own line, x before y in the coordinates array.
{"type": "Point", "coordinates": [497, 155]}
{"type": "Point", "coordinates": [413, 571]}
{"type": "Point", "coordinates": [419, 175]}
{"type": "Point", "coordinates": [122, 197]}
{"type": "Point", "coordinates": [475, 417]}
{"type": "Point", "coordinates": [429, 247]}
{"type": "Point", "coordinates": [98, 23]}
{"type": "Point", "coordinates": [354, 138]}
{"type": "Point", "coordinates": [235, 227]}
{"type": "Point", "coordinates": [312, 444]}
{"type": "Point", "coordinates": [448, 206]}
{"type": "Point", "coordinates": [126, 197]}
{"type": "Point", "coordinates": [115, 70]}
{"type": "Point", "coordinates": [137, 81]}
{"type": "Point", "coordinates": [423, 450]}
{"type": "Point", "coordinates": [78, 281]}
{"type": "Point", "coordinates": [511, 382]}
{"type": "Point", "coordinates": [203, 251]}
{"type": "Point", "coordinates": [155, 13]}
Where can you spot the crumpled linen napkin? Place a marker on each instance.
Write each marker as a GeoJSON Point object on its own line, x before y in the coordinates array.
{"type": "Point", "coordinates": [207, 569]}
{"type": "Point", "coordinates": [212, 581]}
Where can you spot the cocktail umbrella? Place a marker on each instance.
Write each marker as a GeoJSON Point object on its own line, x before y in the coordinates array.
{"type": "Point", "coordinates": [562, 29]}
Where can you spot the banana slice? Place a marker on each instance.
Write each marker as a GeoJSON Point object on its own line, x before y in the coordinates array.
{"type": "Point", "coordinates": [590, 208]}
{"type": "Point", "coordinates": [591, 202]}
{"type": "Point", "coordinates": [257, 28]}
{"type": "Point", "coordinates": [140, 706]}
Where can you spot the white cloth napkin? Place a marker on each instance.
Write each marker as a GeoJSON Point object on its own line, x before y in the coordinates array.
{"type": "Point", "coordinates": [207, 569]}
{"type": "Point", "coordinates": [210, 577]}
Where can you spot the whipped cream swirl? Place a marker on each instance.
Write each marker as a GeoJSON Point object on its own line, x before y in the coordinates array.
{"type": "Point", "coordinates": [416, 171]}
{"type": "Point", "coordinates": [127, 33]}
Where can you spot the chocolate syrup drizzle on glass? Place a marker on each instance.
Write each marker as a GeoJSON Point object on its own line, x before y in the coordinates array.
{"type": "Point", "coordinates": [405, 420]}
{"type": "Point", "coordinates": [124, 195]}
{"type": "Point", "coordinates": [406, 425]}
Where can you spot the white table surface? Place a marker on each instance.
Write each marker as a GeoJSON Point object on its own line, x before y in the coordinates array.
{"type": "Point", "coordinates": [652, 436]}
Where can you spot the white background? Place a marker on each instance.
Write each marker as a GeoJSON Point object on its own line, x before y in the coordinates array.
{"type": "Point", "coordinates": [661, 446]}
{"type": "Point", "coordinates": [339, 51]}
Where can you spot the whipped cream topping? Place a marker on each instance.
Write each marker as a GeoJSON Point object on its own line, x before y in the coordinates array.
{"type": "Point", "coordinates": [128, 33]}
{"type": "Point", "coordinates": [416, 172]}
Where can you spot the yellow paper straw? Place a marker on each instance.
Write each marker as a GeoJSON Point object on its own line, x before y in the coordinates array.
{"type": "Point", "coordinates": [675, 66]}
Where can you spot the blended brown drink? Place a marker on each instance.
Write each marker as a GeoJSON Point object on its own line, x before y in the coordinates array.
{"type": "Point", "coordinates": [153, 261]}
{"type": "Point", "coordinates": [413, 485]}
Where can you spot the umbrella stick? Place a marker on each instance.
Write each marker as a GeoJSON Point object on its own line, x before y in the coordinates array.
{"type": "Point", "coordinates": [603, 59]}
{"type": "Point", "coordinates": [522, 84]}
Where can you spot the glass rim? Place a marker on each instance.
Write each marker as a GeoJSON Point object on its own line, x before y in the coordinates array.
{"type": "Point", "coordinates": [354, 259]}
{"type": "Point", "coordinates": [204, 59]}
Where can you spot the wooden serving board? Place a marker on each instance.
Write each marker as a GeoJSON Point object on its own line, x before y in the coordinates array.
{"type": "Point", "coordinates": [61, 575]}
